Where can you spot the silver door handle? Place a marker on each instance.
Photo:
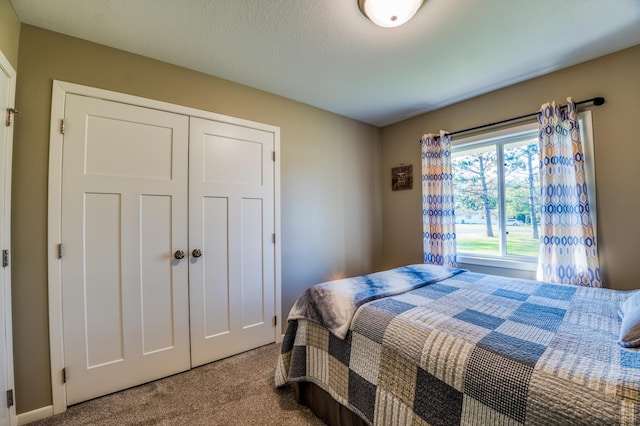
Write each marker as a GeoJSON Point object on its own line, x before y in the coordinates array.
{"type": "Point", "coordinates": [179, 254]}
{"type": "Point", "coordinates": [196, 253]}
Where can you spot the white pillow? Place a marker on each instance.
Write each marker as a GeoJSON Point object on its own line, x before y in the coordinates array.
{"type": "Point", "coordinates": [630, 326]}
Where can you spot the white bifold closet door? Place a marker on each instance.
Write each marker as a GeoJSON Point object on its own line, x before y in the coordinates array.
{"type": "Point", "coordinates": [124, 214]}
{"type": "Point", "coordinates": [231, 221]}
{"type": "Point", "coordinates": [140, 186]}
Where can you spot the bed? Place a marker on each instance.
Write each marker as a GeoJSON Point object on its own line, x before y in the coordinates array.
{"type": "Point", "coordinates": [424, 344]}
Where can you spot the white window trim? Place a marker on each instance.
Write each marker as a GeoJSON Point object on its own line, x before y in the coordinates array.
{"type": "Point", "coordinates": [512, 262]}
{"type": "Point", "coordinates": [528, 263]}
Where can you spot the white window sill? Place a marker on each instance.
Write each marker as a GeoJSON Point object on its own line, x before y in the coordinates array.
{"type": "Point", "coordinates": [521, 264]}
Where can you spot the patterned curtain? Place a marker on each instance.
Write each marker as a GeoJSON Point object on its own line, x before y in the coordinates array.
{"type": "Point", "coordinates": [438, 214]}
{"type": "Point", "coordinates": [568, 250]}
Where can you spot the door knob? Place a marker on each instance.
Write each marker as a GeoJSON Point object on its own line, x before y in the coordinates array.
{"type": "Point", "coordinates": [196, 253]}
{"type": "Point", "coordinates": [179, 254]}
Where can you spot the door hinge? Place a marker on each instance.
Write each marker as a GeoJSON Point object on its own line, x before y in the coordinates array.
{"type": "Point", "coordinates": [10, 398]}
{"type": "Point", "coordinates": [275, 320]}
{"type": "Point", "coordinates": [274, 155]}
{"type": "Point", "coordinates": [11, 113]}
{"type": "Point", "coordinates": [64, 375]}
{"type": "Point", "coordinates": [60, 251]}
{"type": "Point", "coordinates": [62, 126]}
{"type": "Point", "coordinates": [5, 258]}
{"type": "Point", "coordinates": [273, 238]}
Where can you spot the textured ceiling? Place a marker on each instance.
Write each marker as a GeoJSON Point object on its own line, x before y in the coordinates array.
{"type": "Point", "coordinates": [325, 53]}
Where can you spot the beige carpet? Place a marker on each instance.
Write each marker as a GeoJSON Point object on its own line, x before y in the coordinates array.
{"type": "Point", "coordinates": [235, 391]}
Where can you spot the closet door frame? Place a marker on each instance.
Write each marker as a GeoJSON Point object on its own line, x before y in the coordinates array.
{"type": "Point", "coordinates": [59, 91]}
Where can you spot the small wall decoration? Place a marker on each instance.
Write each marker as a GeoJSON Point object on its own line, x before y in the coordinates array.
{"type": "Point", "coordinates": [402, 177]}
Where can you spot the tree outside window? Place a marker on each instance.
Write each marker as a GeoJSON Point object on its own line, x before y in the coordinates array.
{"type": "Point", "coordinates": [497, 191]}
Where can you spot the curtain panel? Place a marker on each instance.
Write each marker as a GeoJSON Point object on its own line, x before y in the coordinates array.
{"type": "Point", "coordinates": [438, 207]}
{"type": "Point", "coordinates": [568, 247]}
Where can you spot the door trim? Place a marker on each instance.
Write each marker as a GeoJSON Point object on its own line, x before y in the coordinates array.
{"type": "Point", "coordinates": [59, 91]}
{"type": "Point", "coordinates": [7, 69]}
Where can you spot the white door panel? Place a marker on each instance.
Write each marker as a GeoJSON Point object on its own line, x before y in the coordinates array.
{"type": "Point", "coordinates": [215, 297]}
{"type": "Point", "coordinates": [156, 282]}
{"type": "Point", "coordinates": [231, 219]}
{"type": "Point", "coordinates": [124, 213]}
{"type": "Point", "coordinates": [102, 280]}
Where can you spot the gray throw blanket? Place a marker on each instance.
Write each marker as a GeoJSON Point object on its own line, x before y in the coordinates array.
{"type": "Point", "coordinates": [334, 303]}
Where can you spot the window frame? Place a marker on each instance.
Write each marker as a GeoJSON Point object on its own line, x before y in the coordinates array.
{"type": "Point", "coordinates": [504, 136]}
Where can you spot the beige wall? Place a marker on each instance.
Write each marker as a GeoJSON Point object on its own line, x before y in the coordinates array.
{"type": "Point", "coordinates": [329, 167]}
{"type": "Point", "coordinates": [9, 32]}
{"type": "Point", "coordinates": [617, 154]}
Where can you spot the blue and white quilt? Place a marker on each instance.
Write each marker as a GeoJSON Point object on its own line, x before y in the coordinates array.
{"type": "Point", "coordinates": [333, 303]}
{"type": "Point", "coordinates": [474, 349]}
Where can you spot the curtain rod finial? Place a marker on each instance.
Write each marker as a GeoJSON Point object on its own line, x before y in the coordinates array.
{"type": "Point", "coordinates": [598, 101]}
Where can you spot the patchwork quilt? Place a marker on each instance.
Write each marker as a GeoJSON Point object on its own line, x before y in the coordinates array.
{"type": "Point", "coordinates": [474, 349]}
{"type": "Point", "coordinates": [334, 303]}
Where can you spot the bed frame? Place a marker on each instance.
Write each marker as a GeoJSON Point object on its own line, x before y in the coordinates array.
{"type": "Point", "coordinates": [324, 406]}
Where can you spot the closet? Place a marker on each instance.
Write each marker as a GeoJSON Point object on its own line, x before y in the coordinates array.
{"type": "Point", "coordinates": [166, 253]}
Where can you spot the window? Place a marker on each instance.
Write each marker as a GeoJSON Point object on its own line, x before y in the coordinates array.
{"type": "Point", "coordinates": [497, 193]}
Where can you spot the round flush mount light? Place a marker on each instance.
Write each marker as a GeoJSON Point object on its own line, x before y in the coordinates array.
{"type": "Point", "coordinates": [389, 13]}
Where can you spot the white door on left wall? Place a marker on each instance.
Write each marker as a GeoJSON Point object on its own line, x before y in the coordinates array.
{"type": "Point", "coordinates": [7, 87]}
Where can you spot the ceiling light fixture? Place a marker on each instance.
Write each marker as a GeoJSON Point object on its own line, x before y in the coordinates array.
{"type": "Point", "coordinates": [389, 13]}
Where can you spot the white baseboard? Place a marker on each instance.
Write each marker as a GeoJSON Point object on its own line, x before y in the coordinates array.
{"type": "Point", "coordinates": [32, 416]}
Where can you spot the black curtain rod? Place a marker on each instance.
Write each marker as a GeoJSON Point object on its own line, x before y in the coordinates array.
{"type": "Point", "coordinates": [597, 101]}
